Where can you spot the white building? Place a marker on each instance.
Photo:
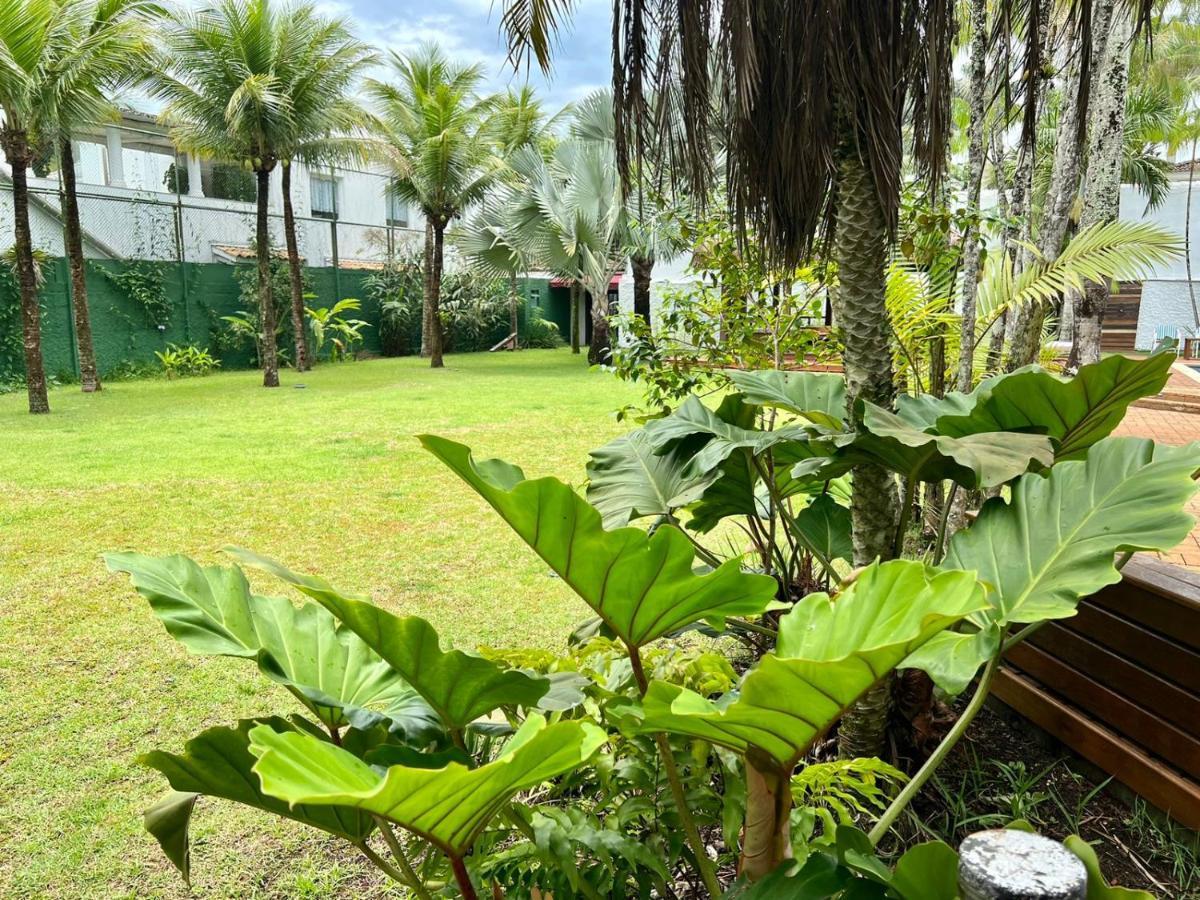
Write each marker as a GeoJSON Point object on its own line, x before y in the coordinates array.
{"type": "Point", "coordinates": [141, 199]}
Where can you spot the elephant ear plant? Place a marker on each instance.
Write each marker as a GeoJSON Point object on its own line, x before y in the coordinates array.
{"type": "Point", "coordinates": [508, 771]}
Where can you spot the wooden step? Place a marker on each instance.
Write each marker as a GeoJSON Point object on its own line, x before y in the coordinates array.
{"type": "Point", "coordinates": [1169, 405]}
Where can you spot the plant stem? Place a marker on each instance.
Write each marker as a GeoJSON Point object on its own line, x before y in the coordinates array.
{"type": "Point", "coordinates": [893, 812]}
{"type": "Point", "coordinates": [703, 864]}
{"type": "Point", "coordinates": [910, 495]}
{"type": "Point", "coordinates": [939, 545]}
{"type": "Point", "coordinates": [463, 878]}
{"type": "Point", "coordinates": [410, 876]}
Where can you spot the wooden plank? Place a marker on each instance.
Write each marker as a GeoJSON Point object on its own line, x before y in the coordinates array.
{"type": "Point", "coordinates": [1172, 582]}
{"type": "Point", "coordinates": [1151, 610]}
{"type": "Point", "coordinates": [1124, 716]}
{"type": "Point", "coordinates": [1148, 649]}
{"type": "Point", "coordinates": [1161, 785]}
{"type": "Point", "coordinates": [1157, 695]}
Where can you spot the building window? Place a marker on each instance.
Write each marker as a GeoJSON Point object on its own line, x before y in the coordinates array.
{"type": "Point", "coordinates": [324, 196]}
{"type": "Point", "coordinates": [397, 209]}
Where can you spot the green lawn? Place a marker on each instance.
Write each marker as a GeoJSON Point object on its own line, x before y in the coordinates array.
{"type": "Point", "coordinates": [327, 478]}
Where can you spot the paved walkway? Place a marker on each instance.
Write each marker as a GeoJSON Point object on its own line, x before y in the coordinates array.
{"type": "Point", "coordinates": [1168, 427]}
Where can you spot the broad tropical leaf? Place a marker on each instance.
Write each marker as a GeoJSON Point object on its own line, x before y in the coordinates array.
{"type": "Point", "coordinates": [1098, 888]}
{"type": "Point", "coordinates": [722, 432]}
{"type": "Point", "coordinates": [458, 686]}
{"type": "Point", "coordinates": [217, 763]}
{"type": "Point", "coordinates": [817, 396]}
{"type": "Point", "coordinates": [447, 807]}
{"type": "Point", "coordinates": [823, 527]}
{"type": "Point", "coordinates": [819, 877]}
{"type": "Point", "coordinates": [1055, 541]}
{"type": "Point", "coordinates": [1074, 413]}
{"type": "Point", "coordinates": [627, 480]}
{"type": "Point", "coordinates": [829, 652]}
{"type": "Point", "coordinates": [982, 459]}
{"type": "Point", "coordinates": [211, 610]}
{"type": "Point", "coordinates": [641, 585]}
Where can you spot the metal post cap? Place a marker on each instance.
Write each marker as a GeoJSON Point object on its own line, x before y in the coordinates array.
{"type": "Point", "coordinates": [1007, 864]}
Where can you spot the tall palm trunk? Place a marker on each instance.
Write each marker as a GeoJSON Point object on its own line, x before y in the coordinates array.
{"type": "Point", "coordinates": [513, 304]}
{"type": "Point", "coordinates": [266, 299]}
{"type": "Point", "coordinates": [435, 296]}
{"type": "Point", "coordinates": [1102, 182]}
{"type": "Point", "coordinates": [89, 377]}
{"type": "Point", "coordinates": [599, 347]}
{"type": "Point", "coordinates": [861, 255]}
{"type": "Point", "coordinates": [975, 164]}
{"type": "Point", "coordinates": [427, 296]}
{"type": "Point", "coordinates": [303, 364]}
{"type": "Point", "coordinates": [575, 292]}
{"type": "Point", "coordinates": [643, 268]}
{"type": "Point", "coordinates": [16, 150]}
{"type": "Point", "coordinates": [766, 839]}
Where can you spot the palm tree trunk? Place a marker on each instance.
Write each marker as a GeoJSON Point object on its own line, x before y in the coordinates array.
{"type": "Point", "coordinates": [643, 268]}
{"type": "Point", "coordinates": [975, 165]}
{"type": "Point", "coordinates": [599, 348]}
{"type": "Point", "coordinates": [514, 299]}
{"type": "Point", "coordinates": [575, 291]}
{"type": "Point", "coordinates": [16, 149]}
{"type": "Point", "coordinates": [435, 297]}
{"type": "Point", "coordinates": [427, 297]}
{"type": "Point", "coordinates": [89, 378]}
{"type": "Point", "coordinates": [1102, 190]}
{"type": "Point", "coordinates": [266, 299]}
{"type": "Point", "coordinates": [303, 364]}
{"type": "Point", "coordinates": [861, 255]}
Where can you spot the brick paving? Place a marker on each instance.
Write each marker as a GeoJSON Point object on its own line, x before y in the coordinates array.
{"type": "Point", "coordinates": [1170, 427]}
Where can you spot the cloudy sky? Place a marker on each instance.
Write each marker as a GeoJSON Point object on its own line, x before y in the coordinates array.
{"type": "Point", "coordinates": [469, 31]}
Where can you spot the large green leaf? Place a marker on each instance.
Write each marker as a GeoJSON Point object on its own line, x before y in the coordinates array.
{"type": "Point", "coordinates": [1074, 412]}
{"type": "Point", "coordinates": [829, 652]}
{"type": "Point", "coordinates": [1097, 887]}
{"type": "Point", "coordinates": [723, 431]}
{"type": "Point", "coordinates": [460, 687]}
{"type": "Point", "coordinates": [641, 585]}
{"type": "Point", "coordinates": [447, 807]}
{"type": "Point", "coordinates": [211, 610]}
{"type": "Point", "coordinates": [823, 527]}
{"type": "Point", "coordinates": [977, 460]}
{"type": "Point", "coordinates": [627, 480]}
{"type": "Point", "coordinates": [1055, 541]}
{"type": "Point", "coordinates": [218, 763]}
{"type": "Point", "coordinates": [817, 396]}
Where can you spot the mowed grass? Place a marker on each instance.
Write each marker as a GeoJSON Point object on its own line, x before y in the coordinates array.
{"type": "Point", "coordinates": [329, 479]}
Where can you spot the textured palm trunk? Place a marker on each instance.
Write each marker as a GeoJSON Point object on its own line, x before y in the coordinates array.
{"type": "Point", "coordinates": [599, 347]}
{"type": "Point", "coordinates": [1102, 181]}
{"type": "Point", "coordinates": [643, 268]}
{"type": "Point", "coordinates": [16, 150]}
{"type": "Point", "coordinates": [89, 377]}
{"type": "Point", "coordinates": [861, 257]}
{"type": "Point", "coordinates": [427, 296]}
{"type": "Point", "coordinates": [975, 164]}
{"type": "Point", "coordinates": [513, 304]}
{"type": "Point", "coordinates": [266, 299]}
{"type": "Point", "coordinates": [575, 291]}
{"type": "Point", "coordinates": [435, 297]}
{"type": "Point", "coordinates": [766, 836]}
{"type": "Point", "coordinates": [303, 364]}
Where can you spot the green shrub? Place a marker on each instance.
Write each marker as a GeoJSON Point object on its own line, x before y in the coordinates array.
{"type": "Point", "coordinates": [186, 361]}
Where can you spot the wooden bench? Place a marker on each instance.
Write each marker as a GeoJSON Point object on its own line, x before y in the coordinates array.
{"type": "Point", "coordinates": [1119, 684]}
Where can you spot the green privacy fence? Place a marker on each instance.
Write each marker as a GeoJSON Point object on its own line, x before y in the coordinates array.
{"type": "Point", "coordinates": [197, 295]}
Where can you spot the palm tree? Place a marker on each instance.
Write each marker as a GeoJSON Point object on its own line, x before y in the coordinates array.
{"type": "Point", "coordinates": [486, 241]}
{"type": "Point", "coordinates": [567, 218]}
{"type": "Point", "coordinates": [224, 75]}
{"type": "Point", "coordinates": [108, 43]}
{"type": "Point", "coordinates": [324, 61]}
{"type": "Point", "coordinates": [438, 136]}
{"type": "Point", "coordinates": [650, 223]}
{"type": "Point", "coordinates": [34, 35]}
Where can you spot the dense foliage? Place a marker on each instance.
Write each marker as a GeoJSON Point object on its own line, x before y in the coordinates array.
{"type": "Point", "coordinates": [640, 762]}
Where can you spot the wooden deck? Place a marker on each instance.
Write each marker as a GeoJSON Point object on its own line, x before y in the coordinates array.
{"type": "Point", "coordinates": [1119, 684]}
{"type": "Point", "coordinates": [1119, 330]}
